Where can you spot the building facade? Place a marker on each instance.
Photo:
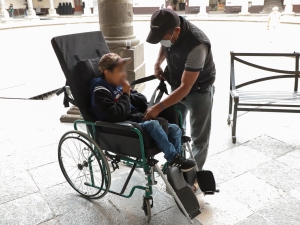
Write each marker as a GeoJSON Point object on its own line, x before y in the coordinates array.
{"type": "Point", "coordinates": [217, 6]}
{"type": "Point", "coordinates": [43, 6]}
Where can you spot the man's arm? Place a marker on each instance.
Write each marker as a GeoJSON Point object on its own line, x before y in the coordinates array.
{"type": "Point", "coordinates": [194, 64]}
{"type": "Point", "coordinates": [187, 81]}
{"type": "Point", "coordinates": [158, 72]}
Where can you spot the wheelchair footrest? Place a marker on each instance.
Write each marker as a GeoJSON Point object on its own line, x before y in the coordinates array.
{"type": "Point", "coordinates": [206, 182]}
{"type": "Point", "coordinates": [189, 201]}
{"type": "Point", "coordinates": [184, 192]}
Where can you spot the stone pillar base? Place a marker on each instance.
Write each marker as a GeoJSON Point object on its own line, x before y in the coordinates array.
{"type": "Point", "coordinates": [32, 17]}
{"type": "Point", "coordinates": [6, 20]}
{"type": "Point", "coordinates": [52, 13]}
{"type": "Point", "coordinates": [244, 14]}
{"type": "Point", "coordinates": [137, 68]}
{"type": "Point", "coordinates": [200, 14]}
{"type": "Point", "coordinates": [288, 14]}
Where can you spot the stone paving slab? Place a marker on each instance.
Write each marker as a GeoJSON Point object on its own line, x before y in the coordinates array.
{"type": "Point", "coordinates": [221, 209]}
{"type": "Point", "coordinates": [235, 161]}
{"type": "Point", "coordinates": [253, 192]}
{"type": "Point", "coordinates": [269, 146]}
{"type": "Point", "coordinates": [16, 187]}
{"type": "Point", "coordinates": [284, 211]}
{"type": "Point", "coordinates": [279, 175]}
{"type": "Point", "coordinates": [47, 175]}
{"type": "Point", "coordinates": [291, 158]}
{"type": "Point", "coordinates": [50, 222]}
{"type": "Point", "coordinates": [255, 219]}
{"type": "Point", "coordinates": [74, 209]}
{"type": "Point", "coordinates": [31, 210]}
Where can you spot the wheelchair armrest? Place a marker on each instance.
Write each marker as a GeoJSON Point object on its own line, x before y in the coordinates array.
{"type": "Point", "coordinates": [122, 126]}
{"type": "Point", "coordinates": [126, 125]}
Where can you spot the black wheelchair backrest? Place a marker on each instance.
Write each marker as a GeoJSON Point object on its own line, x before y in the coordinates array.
{"type": "Point", "coordinates": [77, 50]}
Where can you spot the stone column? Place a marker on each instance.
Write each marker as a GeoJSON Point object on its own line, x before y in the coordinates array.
{"type": "Point", "coordinates": [288, 10]}
{"type": "Point", "coordinates": [4, 16]}
{"type": "Point", "coordinates": [115, 19]}
{"type": "Point", "coordinates": [87, 8]}
{"type": "Point", "coordinates": [203, 4]}
{"type": "Point", "coordinates": [31, 12]}
{"type": "Point", "coordinates": [52, 10]}
{"type": "Point", "coordinates": [245, 8]}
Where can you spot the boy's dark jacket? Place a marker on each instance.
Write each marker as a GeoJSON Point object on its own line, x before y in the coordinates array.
{"type": "Point", "coordinates": [110, 104]}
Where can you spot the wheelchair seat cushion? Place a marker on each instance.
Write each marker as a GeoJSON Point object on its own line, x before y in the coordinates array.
{"type": "Point", "coordinates": [126, 142]}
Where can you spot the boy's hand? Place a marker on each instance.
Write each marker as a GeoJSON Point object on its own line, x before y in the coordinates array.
{"type": "Point", "coordinates": [126, 87]}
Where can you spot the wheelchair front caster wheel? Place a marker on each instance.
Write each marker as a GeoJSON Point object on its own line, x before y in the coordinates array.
{"type": "Point", "coordinates": [147, 207]}
{"type": "Point", "coordinates": [228, 121]}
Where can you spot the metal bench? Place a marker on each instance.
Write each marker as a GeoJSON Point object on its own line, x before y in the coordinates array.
{"type": "Point", "coordinates": [262, 100]}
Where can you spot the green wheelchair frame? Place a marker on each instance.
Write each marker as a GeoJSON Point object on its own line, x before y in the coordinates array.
{"type": "Point", "coordinates": [149, 165]}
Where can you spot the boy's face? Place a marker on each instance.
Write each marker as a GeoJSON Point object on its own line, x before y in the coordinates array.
{"type": "Point", "coordinates": [117, 76]}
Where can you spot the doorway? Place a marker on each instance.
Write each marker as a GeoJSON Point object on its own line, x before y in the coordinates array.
{"type": "Point", "coordinates": [217, 5]}
{"type": "Point", "coordinates": [78, 5]}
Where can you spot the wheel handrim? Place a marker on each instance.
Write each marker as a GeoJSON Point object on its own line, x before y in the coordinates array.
{"type": "Point", "coordinates": [77, 157]}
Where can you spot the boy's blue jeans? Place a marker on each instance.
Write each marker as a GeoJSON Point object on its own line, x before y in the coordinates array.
{"type": "Point", "coordinates": [169, 144]}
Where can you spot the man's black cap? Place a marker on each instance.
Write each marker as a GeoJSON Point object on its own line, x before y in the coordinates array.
{"type": "Point", "coordinates": [161, 21]}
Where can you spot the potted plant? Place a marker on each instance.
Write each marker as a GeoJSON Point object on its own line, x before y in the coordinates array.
{"type": "Point", "coordinates": [175, 4]}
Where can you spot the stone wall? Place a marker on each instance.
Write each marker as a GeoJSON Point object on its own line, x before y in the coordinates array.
{"type": "Point", "coordinates": [194, 9]}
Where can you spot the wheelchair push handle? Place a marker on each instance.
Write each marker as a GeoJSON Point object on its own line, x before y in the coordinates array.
{"type": "Point", "coordinates": [60, 91]}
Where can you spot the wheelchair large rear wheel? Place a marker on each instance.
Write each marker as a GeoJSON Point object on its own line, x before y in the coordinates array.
{"type": "Point", "coordinates": [84, 165]}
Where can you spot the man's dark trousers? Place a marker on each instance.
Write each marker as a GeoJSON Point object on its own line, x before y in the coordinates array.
{"type": "Point", "coordinates": [200, 107]}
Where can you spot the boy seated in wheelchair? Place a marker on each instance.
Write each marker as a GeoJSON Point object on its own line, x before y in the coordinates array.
{"type": "Point", "coordinates": [114, 101]}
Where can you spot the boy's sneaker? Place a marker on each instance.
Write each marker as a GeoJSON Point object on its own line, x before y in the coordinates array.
{"type": "Point", "coordinates": [182, 163]}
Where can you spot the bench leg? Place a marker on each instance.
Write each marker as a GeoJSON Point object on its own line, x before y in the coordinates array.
{"type": "Point", "coordinates": [234, 123]}
{"type": "Point", "coordinates": [230, 110]}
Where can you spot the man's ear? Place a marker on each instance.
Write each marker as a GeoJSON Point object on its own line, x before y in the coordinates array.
{"type": "Point", "coordinates": [177, 30]}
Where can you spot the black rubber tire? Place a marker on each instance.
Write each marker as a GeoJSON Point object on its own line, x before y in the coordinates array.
{"type": "Point", "coordinates": [148, 210]}
{"type": "Point", "coordinates": [100, 159]}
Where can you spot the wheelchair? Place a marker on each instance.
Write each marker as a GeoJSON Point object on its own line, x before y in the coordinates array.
{"type": "Point", "coordinates": [84, 157]}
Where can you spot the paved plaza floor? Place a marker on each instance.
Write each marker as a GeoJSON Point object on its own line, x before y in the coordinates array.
{"type": "Point", "coordinates": [258, 177]}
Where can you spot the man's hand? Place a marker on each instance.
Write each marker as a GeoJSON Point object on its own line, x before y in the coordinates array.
{"type": "Point", "coordinates": [152, 112]}
{"type": "Point", "coordinates": [126, 87]}
{"type": "Point", "coordinates": [158, 72]}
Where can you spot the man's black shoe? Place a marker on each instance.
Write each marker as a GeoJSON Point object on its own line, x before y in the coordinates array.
{"type": "Point", "coordinates": [184, 164]}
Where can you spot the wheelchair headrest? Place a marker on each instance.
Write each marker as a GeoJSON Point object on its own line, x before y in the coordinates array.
{"type": "Point", "coordinates": [78, 48]}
